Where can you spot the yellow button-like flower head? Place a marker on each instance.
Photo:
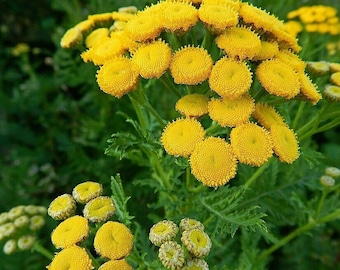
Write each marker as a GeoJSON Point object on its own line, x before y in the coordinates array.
{"type": "Point", "coordinates": [212, 162]}
{"type": "Point", "coordinates": [96, 36]}
{"type": "Point", "coordinates": [99, 209]}
{"type": "Point", "coordinates": [192, 105]}
{"type": "Point", "coordinates": [267, 116]}
{"type": "Point", "coordinates": [73, 257]}
{"type": "Point", "coordinates": [196, 264]}
{"type": "Point", "coordinates": [86, 191]}
{"type": "Point", "coordinates": [190, 223]}
{"type": "Point", "coordinates": [62, 207]}
{"type": "Point", "coordinates": [251, 144]}
{"type": "Point", "coordinates": [113, 240]}
{"type": "Point", "coordinates": [268, 50]}
{"type": "Point", "coordinates": [163, 231]}
{"type": "Point", "coordinates": [70, 232]}
{"type": "Point", "coordinates": [308, 88]}
{"type": "Point", "coordinates": [180, 136]}
{"type": "Point", "coordinates": [197, 242]}
{"type": "Point", "coordinates": [332, 92]}
{"type": "Point", "coordinates": [71, 38]}
{"type": "Point", "coordinates": [171, 255]}
{"type": "Point", "coordinates": [335, 78]}
{"type": "Point", "coordinates": [191, 65]}
{"type": "Point", "coordinates": [115, 264]}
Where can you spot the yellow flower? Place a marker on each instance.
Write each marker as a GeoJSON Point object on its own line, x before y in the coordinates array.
{"type": "Point", "coordinates": [196, 264]}
{"type": "Point", "coordinates": [113, 240]}
{"type": "Point", "coordinates": [86, 191]}
{"type": "Point", "coordinates": [171, 255]}
{"type": "Point", "coordinates": [115, 264]}
{"type": "Point", "coordinates": [278, 78]}
{"type": "Point", "coordinates": [191, 65]}
{"type": "Point", "coordinates": [99, 209]}
{"type": "Point", "coordinates": [335, 78]}
{"type": "Point", "coordinates": [117, 77]}
{"type": "Point", "coordinates": [285, 144]}
{"type": "Point", "coordinates": [163, 231]}
{"type": "Point", "coordinates": [231, 112]}
{"type": "Point", "coordinates": [189, 224]}
{"type": "Point", "coordinates": [334, 67]}
{"type": "Point", "coordinates": [128, 10]}
{"type": "Point", "coordinates": [73, 257]}
{"type": "Point", "coordinates": [192, 105]}
{"type": "Point", "coordinates": [251, 144]}
{"type": "Point", "coordinates": [268, 50]}
{"type": "Point", "coordinates": [197, 242]}
{"type": "Point", "coordinates": [308, 88]}
{"type": "Point", "coordinates": [267, 116]}
{"type": "Point", "coordinates": [230, 78]}
{"type": "Point", "coordinates": [26, 242]}
{"type": "Point", "coordinates": [85, 26]}
{"type": "Point", "coordinates": [235, 4]}
{"type": "Point", "coordinates": [96, 36]}
{"type": "Point", "coordinates": [71, 38]}
{"type": "Point", "coordinates": [180, 136]}
{"type": "Point", "coordinates": [20, 48]}
{"type": "Point", "coordinates": [239, 42]}
{"type": "Point", "coordinates": [217, 16]}
{"type": "Point", "coordinates": [293, 27]}
{"type": "Point", "coordinates": [153, 59]}
{"type": "Point", "coordinates": [70, 232]}
{"type": "Point", "coordinates": [332, 92]}
{"type": "Point", "coordinates": [291, 59]}
{"type": "Point", "coordinates": [62, 207]}
{"type": "Point", "coordinates": [212, 162]}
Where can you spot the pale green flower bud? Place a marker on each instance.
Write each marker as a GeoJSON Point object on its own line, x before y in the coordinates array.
{"type": "Point", "coordinates": [10, 247]}
{"type": "Point", "coordinates": [190, 223]}
{"type": "Point", "coordinates": [327, 181]}
{"type": "Point", "coordinates": [26, 242]}
{"type": "Point", "coordinates": [21, 221]}
{"type": "Point", "coordinates": [36, 223]}
{"type": "Point", "coordinates": [196, 264]}
{"type": "Point", "coordinates": [332, 171]}
{"type": "Point", "coordinates": [163, 231]}
{"type": "Point", "coordinates": [16, 212]}
{"type": "Point", "coordinates": [3, 218]}
{"type": "Point", "coordinates": [7, 229]}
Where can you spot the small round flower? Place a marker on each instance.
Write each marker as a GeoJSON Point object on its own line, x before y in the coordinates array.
{"type": "Point", "coordinates": [71, 38]}
{"type": "Point", "coordinates": [171, 255]}
{"type": "Point", "coordinates": [239, 42]}
{"type": "Point", "coordinates": [212, 162]}
{"type": "Point", "coordinates": [36, 222]}
{"type": "Point", "coordinates": [291, 59]}
{"type": "Point", "coordinates": [16, 212]}
{"type": "Point", "coordinates": [7, 229]}
{"type": "Point", "coordinates": [251, 144]}
{"type": "Point", "coordinates": [332, 92]}
{"type": "Point", "coordinates": [73, 257]}
{"type": "Point", "coordinates": [10, 247]}
{"type": "Point", "coordinates": [113, 240]}
{"type": "Point", "coordinates": [191, 65]}
{"type": "Point", "coordinates": [21, 221]}
{"type": "Point", "coordinates": [230, 78]}
{"type": "Point", "coordinates": [26, 242]}
{"type": "Point", "coordinates": [3, 218]}
{"type": "Point", "coordinates": [115, 264]}
{"type": "Point", "coordinates": [85, 26]}
{"type": "Point", "coordinates": [70, 232]}
{"type": "Point", "coordinates": [197, 242]}
{"type": "Point", "coordinates": [62, 207]}
{"type": "Point", "coordinates": [100, 18]}
{"type": "Point", "coordinates": [308, 88]}
{"type": "Point", "coordinates": [335, 78]}
{"type": "Point", "coordinates": [218, 16]}
{"type": "Point", "coordinates": [96, 36]}
{"type": "Point", "coordinates": [334, 67]}
{"type": "Point", "coordinates": [189, 224]}
{"type": "Point", "coordinates": [231, 112]}
{"type": "Point", "coordinates": [192, 105]}
{"type": "Point", "coordinates": [196, 264]}
{"type": "Point", "coordinates": [318, 67]}
{"type": "Point", "coordinates": [86, 191]}
{"type": "Point", "coordinates": [153, 59]}
{"type": "Point", "coordinates": [285, 143]}
{"type": "Point", "coordinates": [99, 209]}
{"type": "Point", "coordinates": [180, 136]}
{"type": "Point", "coordinates": [267, 116]}
{"type": "Point", "coordinates": [117, 77]}
{"type": "Point", "coordinates": [278, 78]}
{"type": "Point", "coordinates": [332, 171]}
{"type": "Point", "coordinates": [327, 181]}
{"type": "Point", "coordinates": [268, 50]}
{"type": "Point", "coordinates": [293, 28]}
{"type": "Point", "coordinates": [163, 231]}
{"type": "Point", "coordinates": [34, 210]}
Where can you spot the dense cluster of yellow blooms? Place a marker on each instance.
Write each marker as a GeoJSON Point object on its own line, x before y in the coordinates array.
{"type": "Point", "coordinates": [217, 72]}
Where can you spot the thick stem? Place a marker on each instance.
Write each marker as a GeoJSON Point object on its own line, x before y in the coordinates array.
{"type": "Point", "coordinates": [258, 172]}
{"type": "Point", "coordinates": [42, 250]}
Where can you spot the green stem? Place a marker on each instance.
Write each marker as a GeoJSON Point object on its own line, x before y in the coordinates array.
{"type": "Point", "coordinates": [166, 81]}
{"type": "Point", "coordinates": [320, 204]}
{"type": "Point", "coordinates": [258, 172]}
{"type": "Point", "coordinates": [298, 115]}
{"type": "Point", "coordinates": [94, 261]}
{"type": "Point", "coordinates": [42, 250]}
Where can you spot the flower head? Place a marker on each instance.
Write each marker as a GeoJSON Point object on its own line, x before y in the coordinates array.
{"type": "Point", "coordinates": [335, 78]}
{"type": "Point", "coordinates": [73, 257]}
{"type": "Point", "coordinates": [332, 171]}
{"type": "Point", "coordinates": [96, 36]}
{"type": "Point", "coordinates": [180, 136]}
{"type": "Point", "coordinates": [285, 143]}
{"type": "Point", "coordinates": [268, 50]}
{"type": "Point", "coordinates": [99, 209]}
{"type": "Point", "coordinates": [309, 89]}
{"type": "Point", "coordinates": [70, 232]}
{"type": "Point", "coordinates": [163, 231]}
{"type": "Point", "coordinates": [8, 229]}
{"type": "Point", "coordinates": [251, 144]}
{"type": "Point", "coordinates": [192, 105]}
{"type": "Point", "coordinates": [115, 264]}
{"type": "Point", "coordinates": [196, 264]}
{"type": "Point", "coordinates": [191, 65]}
{"type": "Point", "coordinates": [10, 247]}
{"type": "Point", "coordinates": [16, 211]}
{"type": "Point", "coordinates": [21, 221]}
{"type": "Point", "coordinates": [230, 78]}
{"type": "Point", "coordinates": [318, 67]}
{"type": "Point", "coordinates": [292, 60]}
{"type": "Point", "coordinates": [171, 255]}
{"type": "Point", "coordinates": [334, 67]}
{"type": "Point", "coordinates": [190, 223]}
{"type": "Point", "coordinates": [197, 242]}
{"type": "Point", "coordinates": [62, 207]}
{"type": "Point", "coordinates": [327, 181]}
{"type": "Point", "coordinates": [153, 59]}
{"type": "Point", "coordinates": [278, 78]}
{"type": "Point", "coordinates": [332, 92]}
{"type": "Point", "coordinates": [117, 77]}
{"type": "Point", "coordinates": [36, 222]}
{"type": "Point", "coordinates": [71, 38]}
{"type": "Point", "coordinates": [239, 42]}
{"type": "Point", "coordinates": [231, 112]}
{"type": "Point", "coordinates": [86, 191]}
{"type": "Point", "coordinates": [26, 242]}
{"type": "Point", "coordinates": [212, 162]}
{"type": "Point", "coordinates": [267, 116]}
{"type": "Point", "coordinates": [113, 240]}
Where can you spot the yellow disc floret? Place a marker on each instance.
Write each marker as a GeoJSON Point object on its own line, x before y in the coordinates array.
{"type": "Point", "coordinates": [267, 116]}
{"type": "Point", "coordinates": [192, 105]}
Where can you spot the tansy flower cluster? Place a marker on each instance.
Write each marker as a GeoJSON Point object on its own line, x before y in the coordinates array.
{"type": "Point", "coordinates": [112, 241]}
{"type": "Point", "coordinates": [214, 75]}
{"type": "Point", "coordinates": [195, 244]}
{"type": "Point", "coordinates": [19, 227]}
